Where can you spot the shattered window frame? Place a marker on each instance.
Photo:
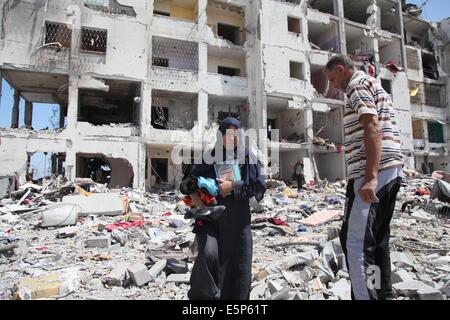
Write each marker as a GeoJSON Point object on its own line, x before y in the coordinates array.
{"type": "Point", "coordinates": [100, 48]}
{"type": "Point", "coordinates": [62, 34]}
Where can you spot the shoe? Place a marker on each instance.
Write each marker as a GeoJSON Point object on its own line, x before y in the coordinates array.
{"type": "Point", "coordinates": [208, 213]}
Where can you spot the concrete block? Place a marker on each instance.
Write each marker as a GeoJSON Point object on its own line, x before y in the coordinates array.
{"type": "Point", "coordinates": [307, 274]}
{"type": "Point", "coordinates": [117, 276]}
{"type": "Point", "coordinates": [258, 291]}
{"type": "Point", "coordinates": [177, 266]}
{"type": "Point", "coordinates": [37, 288]}
{"type": "Point", "coordinates": [342, 289]}
{"type": "Point", "coordinates": [119, 236]}
{"type": "Point", "coordinates": [401, 276]}
{"type": "Point", "coordinates": [417, 288]}
{"type": "Point", "coordinates": [280, 295]}
{"type": "Point", "coordinates": [98, 242]}
{"type": "Point", "coordinates": [139, 274]}
{"type": "Point", "coordinates": [405, 259]}
{"type": "Point", "coordinates": [179, 278]}
{"type": "Point", "coordinates": [274, 286]}
{"type": "Point", "coordinates": [156, 269]}
{"type": "Point", "coordinates": [60, 215]}
{"type": "Point", "coordinates": [109, 204]}
{"type": "Point", "coordinates": [422, 216]}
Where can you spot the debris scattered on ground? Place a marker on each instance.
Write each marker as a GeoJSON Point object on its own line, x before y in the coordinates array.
{"type": "Point", "coordinates": [80, 240]}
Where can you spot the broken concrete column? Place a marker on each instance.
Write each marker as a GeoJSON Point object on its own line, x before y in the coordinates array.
{"type": "Point", "coordinates": [72, 108]}
{"type": "Point", "coordinates": [62, 115]}
{"type": "Point", "coordinates": [15, 110]}
{"type": "Point", "coordinates": [202, 108]}
{"type": "Point", "coordinates": [28, 114]}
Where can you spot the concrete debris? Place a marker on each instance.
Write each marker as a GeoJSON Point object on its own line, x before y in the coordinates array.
{"type": "Point", "coordinates": [157, 268]}
{"type": "Point", "coordinates": [342, 289]}
{"type": "Point", "coordinates": [139, 274]}
{"type": "Point", "coordinates": [117, 275]}
{"type": "Point", "coordinates": [418, 288]}
{"type": "Point", "coordinates": [98, 242]}
{"type": "Point", "coordinates": [108, 204]}
{"type": "Point", "coordinates": [291, 259]}
{"type": "Point", "coordinates": [65, 214]}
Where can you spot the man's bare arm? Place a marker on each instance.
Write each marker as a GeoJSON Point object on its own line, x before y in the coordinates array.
{"type": "Point", "coordinates": [372, 144]}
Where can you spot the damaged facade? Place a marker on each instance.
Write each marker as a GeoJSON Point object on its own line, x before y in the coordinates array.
{"type": "Point", "coordinates": [134, 78]}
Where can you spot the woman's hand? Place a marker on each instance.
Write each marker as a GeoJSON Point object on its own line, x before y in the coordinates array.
{"type": "Point", "coordinates": [196, 201]}
{"type": "Point", "coordinates": [225, 187]}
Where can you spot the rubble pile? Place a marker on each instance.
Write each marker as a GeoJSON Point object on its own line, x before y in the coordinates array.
{"type": "Point", "coordinates": [81, 240]}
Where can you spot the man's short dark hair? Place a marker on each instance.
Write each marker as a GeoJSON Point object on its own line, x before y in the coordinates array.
{"type": "Point", "coordinates": [339, 60]}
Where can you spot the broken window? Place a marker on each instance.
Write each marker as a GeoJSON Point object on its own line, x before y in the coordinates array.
{"type": "Point", "coordinates": [293, 24]}
{"type": "Point", "coordinates": [357, 10]}
{"type": "Point", "coordinates": [296, 70]}
{"type": "Point", "coordinates": [161, 13]}
{"type": "Point", "coordinates": [271, 125]}
{"type": "Point", "coordinates": [417, 129]}
{"type": "Point", "coordinates": [435, 132]}
{"type": "Point", "coordinates": [45, 164]}
{"type": "Point", "coordinates": [389, 12]}
{"type": "Point", "coordinates": [324, 36]}
{"type": "Point", "coordinates": [229, 32]}
{"type": "Point", "coordinates": [387, 86]}
{"type": "Point", "coordinates": [160, 62]}
{"type": "Point", "coordinates": [430, 67]}
{"type": "Point", "coordinates": [326, 6]}
{"type": "Point", "coordinates": [160, 170]}
{"type": "Point", "coordinates": [173, 110]}
{"type": "Point", "coordinates": [116, 105]}
{"type": "Point", "coordinates": [416, 92]}
{"type": "Point", "coordinates": [94, 40]}
{"type": "Point", "coordinates": [58, 34]}
{"type": "Point", "coordinates": [390, 50]}
{"type": "Point", "coordinates": [227, 71]}
{"type": "Point", "coordinates": [357, 42]}
{"type": "Point", "coordinates": [221, 107]}
{"type": "Point", "coordinates": [177, 54]}
{"type": "Point", "coordinates": [160, 117]}
{"type": "Point", "coordinates": [434, 95]}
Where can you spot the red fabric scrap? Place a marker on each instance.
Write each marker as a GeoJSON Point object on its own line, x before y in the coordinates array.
{"type": "Point", "coordinates": [124, 224]}
{"type": "Point", "coordinates": [278, 222]}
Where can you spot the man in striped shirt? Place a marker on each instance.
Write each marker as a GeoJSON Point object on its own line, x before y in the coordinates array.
{"type": "Point", "coordinates": [374, 167]}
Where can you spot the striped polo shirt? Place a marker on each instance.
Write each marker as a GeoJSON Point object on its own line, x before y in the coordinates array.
{"type": "Point", "coordinates": [366, 96]}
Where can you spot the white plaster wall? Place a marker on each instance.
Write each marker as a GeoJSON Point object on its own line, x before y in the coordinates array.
{"type": "Point", "coordinates": [274, 26]}
{"type": "Point", "coordinates": [218, 84]}
{"type": "Point", "coordinates": [216, 15]}
{"type": "Point", "coordinates": [214, 62]}
{"type": "Point", "coordinates": [277, 74]}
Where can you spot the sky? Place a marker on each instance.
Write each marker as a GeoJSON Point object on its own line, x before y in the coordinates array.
{"type": "Point", "coordinates": [435, 10]}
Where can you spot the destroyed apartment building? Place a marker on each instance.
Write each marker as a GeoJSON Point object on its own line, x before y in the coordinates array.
{"type": "Point", "coordinates": [131, 79]}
